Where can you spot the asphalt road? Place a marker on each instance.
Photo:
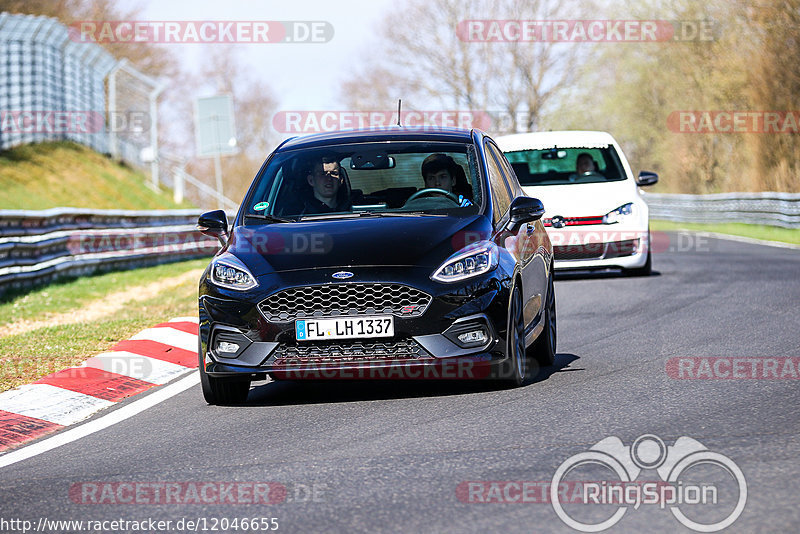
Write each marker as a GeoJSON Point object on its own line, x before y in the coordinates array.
{"type": "Point", "coordinates": [388, 457]}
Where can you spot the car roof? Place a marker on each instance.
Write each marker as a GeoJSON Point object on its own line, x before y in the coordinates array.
{"type": "Point", "coordinates": [394, 133]}
{"type": "Point", "coordinates": [560, 139]}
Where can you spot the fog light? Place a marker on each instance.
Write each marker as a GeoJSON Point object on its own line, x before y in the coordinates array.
{"type": "Point", "coordinates": [473, 336]}
{"type": "Point", "coordinates": [224, 346]}
{"type": "Point", "coordinates": [472, 333]}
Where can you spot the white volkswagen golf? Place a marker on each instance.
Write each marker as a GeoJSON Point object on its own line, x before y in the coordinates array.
{"type": "Point", "coordinates": [594, 211]}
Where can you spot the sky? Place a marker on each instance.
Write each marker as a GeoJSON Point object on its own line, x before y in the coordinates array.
{"type": "Point", "coordinates": [296, 73]}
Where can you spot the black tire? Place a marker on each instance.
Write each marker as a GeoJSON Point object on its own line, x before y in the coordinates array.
{"type": "Point", "coordinates": [543, 349]}
{"type": "Point", "coordinates": [223, 390]}
{"type": "Point", "coordinates": [647, 268]}
{"type": "Point", "coordinates": [514, 370]}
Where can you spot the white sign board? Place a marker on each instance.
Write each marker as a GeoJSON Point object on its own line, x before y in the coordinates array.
{"type": "Point", "coordinates": [215, 132]}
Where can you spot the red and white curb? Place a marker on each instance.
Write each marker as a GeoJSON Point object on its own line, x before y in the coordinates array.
{"type": "Point", "coordinates": [151, 358]}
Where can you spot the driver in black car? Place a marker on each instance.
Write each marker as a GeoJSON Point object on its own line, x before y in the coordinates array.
{"type": "Point", "coordinates": [328, 195]}
{"type": "Point", "coordinates": [439, 172]}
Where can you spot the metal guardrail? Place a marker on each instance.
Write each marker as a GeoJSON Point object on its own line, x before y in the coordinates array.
{"type": "Point", "coordinates": [38, 247]}
{"type": "Point", "coordinates": [41, 246]}
{"type": "Point", "coordinates": [771, 209]}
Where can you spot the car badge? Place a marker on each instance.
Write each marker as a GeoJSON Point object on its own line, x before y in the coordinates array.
{"type": "Point", "coordinates": [342, 275]}
{"type": "Point", "coordinates": [408, 309]}
{"type": "Point", "coordinates": [558, 222]}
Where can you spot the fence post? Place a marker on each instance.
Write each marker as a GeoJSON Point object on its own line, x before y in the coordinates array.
{"type": "Point", "coordinates": [112, 109]}
{"type": "Point", "coordinates": [177, 192]}
{"type": "Point", "coordinates": [154, 134]}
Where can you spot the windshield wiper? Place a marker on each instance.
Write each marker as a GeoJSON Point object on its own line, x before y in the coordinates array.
{"type": "Point", "coordinates": [377, 214]}
{"type": "Point", "coordinates": [399, 214]}
{"type": "Point", "coordinates": [269, 218]}
{"type": "Point", "coordinates": [318, 216]}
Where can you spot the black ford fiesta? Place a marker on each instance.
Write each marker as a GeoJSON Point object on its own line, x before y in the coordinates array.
{"type": "Point", "coordinates": [378, 254]}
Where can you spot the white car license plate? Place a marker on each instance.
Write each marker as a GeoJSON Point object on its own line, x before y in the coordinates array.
{"type": "Point", "coordinates": [344, 327]}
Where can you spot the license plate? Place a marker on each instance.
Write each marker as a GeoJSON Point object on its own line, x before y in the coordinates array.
{"type": "Point", "coordinates": [344, 327]}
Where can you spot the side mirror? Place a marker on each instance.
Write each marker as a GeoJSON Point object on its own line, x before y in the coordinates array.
{"type": "Point", "coordinates": [646, 178]}
{"type": "Point", "coordinates": [214, 224]}
{"type": "Point", "coordinates": [524, 210]}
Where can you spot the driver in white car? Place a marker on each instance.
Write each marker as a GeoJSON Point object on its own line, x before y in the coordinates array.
{"type": "Point", "coordinates": [439, 172]}
{"type": "Point", "coordinates": [584, 165]}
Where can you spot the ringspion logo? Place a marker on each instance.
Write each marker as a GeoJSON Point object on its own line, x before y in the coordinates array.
{"type": "Point", "coordinates": [704, 490]}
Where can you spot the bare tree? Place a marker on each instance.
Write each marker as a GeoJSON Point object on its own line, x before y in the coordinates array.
{"type": "Point", "coordinates": [774, 84]}
{"type": "Point", "coordinates": [254, 107]}
{"type": "Point", "coordinates": [427, 59]}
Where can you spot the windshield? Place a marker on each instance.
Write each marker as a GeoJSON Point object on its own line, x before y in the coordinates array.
{"type": "Point", "coordinates": [560, 166]}
{"type": "Point", "coordinates": [368, 179]}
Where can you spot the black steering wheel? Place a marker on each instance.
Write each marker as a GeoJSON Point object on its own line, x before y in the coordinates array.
{"type": "Point", "coordinates": [433, 191]}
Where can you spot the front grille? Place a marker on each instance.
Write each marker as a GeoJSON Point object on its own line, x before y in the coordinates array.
{"type": "Point", "coordinates": [576, 221]}
{"type": "Point", "coordinates": [617, 249]}
{"type": "Point", "coordinates": [579, 252]}
{"type": "Point", "coordinates": [593, 251]}
{"type": "Point", "coordinates": [344, 299]}
{"type": "Point", "coordinates": [401, 350]}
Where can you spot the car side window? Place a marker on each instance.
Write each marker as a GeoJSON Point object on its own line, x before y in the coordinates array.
{"type": "Point", "coordinates": [511, 176]}
{"type": "Point", "coordinates": [501, 198]}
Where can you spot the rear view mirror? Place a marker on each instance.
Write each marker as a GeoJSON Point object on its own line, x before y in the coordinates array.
{"type": "Point", "coordinates": [214, 224]}
{"type": "Point", "coordinates": [554, 153]}
{"type": "Point", "coordinates": [646, 178]}
{"type": "Point", "coordinates": [371, 160]}
{"type": "Point", "coordinates": [524, 210]}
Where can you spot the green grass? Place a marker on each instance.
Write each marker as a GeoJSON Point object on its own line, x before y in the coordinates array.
{"type": "Point", "coordinates": [65, 174]}
{"type": "Point", "coordinates": [31, 355]}
{"type": "Point", "coordinates": [72, 294]}
{"type": "Point", "coordinates": [767, 233]}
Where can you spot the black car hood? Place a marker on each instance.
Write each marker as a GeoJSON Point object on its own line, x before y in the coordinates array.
{"type": "Point", "coordinates": [388, 241]}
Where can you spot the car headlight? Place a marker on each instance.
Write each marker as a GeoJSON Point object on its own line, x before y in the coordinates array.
{"type": "Point", "coordinates": [619, 214]}
{"type": "Point", "coordinates": [473, 260]}
{"type": "Point", "coordinates": [229, 272]}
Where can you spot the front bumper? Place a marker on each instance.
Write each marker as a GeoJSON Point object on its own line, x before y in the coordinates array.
{"type": "Point", "coordinates": [422, 345]}
{"type": "Point", "coordinates": [591, 247]}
